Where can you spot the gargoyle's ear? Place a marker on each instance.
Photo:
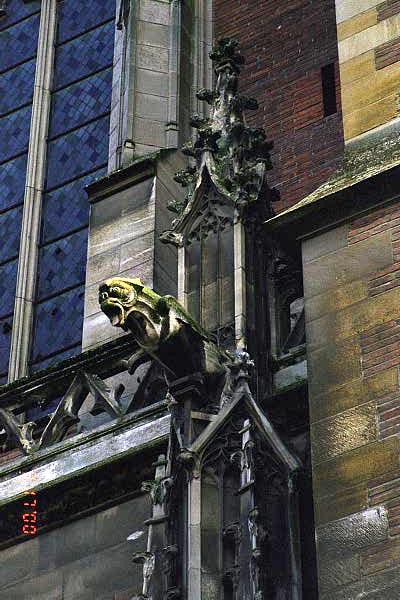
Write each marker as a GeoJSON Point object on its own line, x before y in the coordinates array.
{"type": "Point", "coordinates": [162, 307]}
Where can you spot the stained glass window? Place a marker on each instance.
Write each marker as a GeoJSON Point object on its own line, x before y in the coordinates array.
{"type": "Point", "coordinates": [77, 153]}
{"type": "Point", "coordinates": [19, 30]}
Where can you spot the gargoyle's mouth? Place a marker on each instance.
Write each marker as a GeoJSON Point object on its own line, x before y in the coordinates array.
{"type": "Point", "coordinates": [114, 311]}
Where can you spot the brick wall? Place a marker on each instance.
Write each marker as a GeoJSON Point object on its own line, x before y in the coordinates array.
{"type": "Point", "coordinates": [285, 45]}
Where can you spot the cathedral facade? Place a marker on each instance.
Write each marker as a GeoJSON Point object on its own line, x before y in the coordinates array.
{"type": "Point", "coordinates": [199, 317]}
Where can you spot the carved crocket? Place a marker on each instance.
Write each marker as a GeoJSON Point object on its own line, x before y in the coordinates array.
{"type": "Point", "coordinates": [165, 331]}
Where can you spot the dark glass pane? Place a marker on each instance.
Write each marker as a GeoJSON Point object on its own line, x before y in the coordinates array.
{"type": "Point", "coordinates": [193, 279]}
{"type": "Point", "coordinates": [58, 323]}
{"type": "Point", "coordinates": [62, 264]}
{"type": "Point", "coordinates": [209, 282]}
{"type": "Point", "coordinates": [75, 16]}
{"type": "Point", "coordinates": [10, 230]}
{"type": "Point", "coordinates": [75, 153]}
{"type": "Point", "coordinates": [81, 102]}
{"type": "Point", "coordinates": [16, 86]}
{"type": "Point", "coordinates": [82, 56]}
{"type": "Point", "coordinates": [5, 344]}
{"type": "Point", "coordinates": [12, 182]}
{"type": "Point", "coordinates": [19, 43]}
{"type": "Point", "coordinates": [8, 278]}
{"type": "Point", "coordinates": [14, 138]}
{"type": "Point", "coordinates": [48, 362]}
{"type": "Point", "coordinates": [17, 10]}
{"type": "Point", "coordinates": [67, 208]}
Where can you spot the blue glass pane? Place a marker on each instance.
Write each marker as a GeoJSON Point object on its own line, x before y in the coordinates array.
{"type": "Point", "coordinates": [12, 182]}
{"type": "Point", "coordinates": [62, 264]}
{"type": "Point", "coordinates": [76, 16]}
{"type": "Point", "coordinates": [81, 102]}
{"type": "Point", "coordinates": [10, 230]}
{"type": "Point", "coordinates": [3, 379]}
{"type": "Point", "coordinates": [75, 153]}
{"type": "Point", "coordinates": [48, 362]}
{"type": "Point", "coordinates": [37, 412]}
{"type": "Point", "coordinates": [91, 52]}
{"type": "Point", "coordinates": [16, 86]}
{"type": "Point", "coordinates": [14, 130]}
{"type": "Point", "coordinates": [17, 10]}
{"type": "Point", "coordinates": [67, 208]}
{"type": "Point", "coordinates": [8, 278]}
{"type": "Point", "coordinates": [19, 43]}
{"type": "Point", "coordinates": [5, 345]}
{"type": "Point", "coordinates": [58, 323]}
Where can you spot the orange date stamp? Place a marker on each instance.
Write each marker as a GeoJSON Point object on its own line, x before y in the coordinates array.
{"type": "Point", "coordinates": [29, 517]}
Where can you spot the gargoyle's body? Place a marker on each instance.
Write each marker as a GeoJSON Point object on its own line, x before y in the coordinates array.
{"type": "Point", "coordinates": [164, 330]}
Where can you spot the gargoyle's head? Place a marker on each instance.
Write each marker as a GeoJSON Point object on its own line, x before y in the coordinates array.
{"type": "Point", "coordinates": [131, 305]}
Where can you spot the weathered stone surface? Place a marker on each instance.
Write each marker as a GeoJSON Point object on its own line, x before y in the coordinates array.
{"type": "Point", "coordinates": [357, 67]}
{"type": "Point", "coordinates": [153, 34]}
{"type": "Point", "coordinates": [343, 432]}
{"type": "Point", "coordinates": [150, 132]}
{"type": "Point", "coordinates": [48, 586]}
{"type": "Point", "coordinates": [154, 106]}
{"type": "Point", "coordinates": [154, 11]}
{"type": "Point", "coordinates": [352, 533]}
{"type": "Point", "coordinates": [334, 572]}
{"type": "Point", "coordinates": [347, 264]}
{"type": "Point", "coordinates": [370, 116]}
{"type": "Point", "coordinates": [290, 376]}
{"type": "Point", "coordinates": [357, 466]}
{"type": "Point", "coordinates": [153, 58]}
{"type": "Point", "coordinates": [151, 82]}
{"type": "Point", "coordinates": [369, 38]}
{"type": "Point", "coordinates": [354, 393]}
{"type": "Point", "coordinates": [341, 504]}
{"type": "Point", "coordinates": [333, 365]}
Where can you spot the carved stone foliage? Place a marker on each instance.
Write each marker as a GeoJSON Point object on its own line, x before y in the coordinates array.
{"type": "Point", "coordinates": [229, 157]}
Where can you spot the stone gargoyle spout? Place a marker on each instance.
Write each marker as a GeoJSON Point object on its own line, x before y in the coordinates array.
{"type": "Point", "coordinates": [163, 329]}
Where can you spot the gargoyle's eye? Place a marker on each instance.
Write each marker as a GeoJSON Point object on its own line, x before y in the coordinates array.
{"type": "Point", "coordinates": [115, 289]}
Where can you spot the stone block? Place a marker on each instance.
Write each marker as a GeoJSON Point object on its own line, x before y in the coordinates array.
{"type": "Point", "coordinates": [153, 58]}
{"type": "Point", "coordinates": [347, 264]}
{"type": "Point", "coordinates": [353, 393]}
{"type": "Point", "coordinates": [137, 251]}
{"type": "Point", "coordinates": [332, 366]}
{"type": "Point", "coordinates": [290, 376]}
{"type": "Point", "coordinates": [357, 67]}
{"type": "Point", "coordinates": [357, 23]}
{"type": "Point", "coordinates": [341, 504]}
{"type": "Point", "coordinates": [149, 132]}
{"type": "Point", "coordinates": [370, 116]}
{"type": "Point", "coordinates": [154, 11]}
{"type": "Point", "coordinates": [335, 572]}
{"type": "Point", "coordinates": [353, 320]}
{"type": "Point", "coordinates": [14, 565]}
{"type": "Point", "coordinates": [383, 586]}
{"type": "Point", "coordinates": [98, 330]}
{"type": "Point", "coordinates": [335, 299]}
{"type": "Point", "coordinates": [155, 107]}
{"type": "Point", "coordinates": [152, 34]}
{"type": "Point", "coordinates": [115, 524]}
{"type": "Point", "coordinates": [103, 265]}
{"type": "Point", "coordinates": [151, 82]}
{"type": "Point", "coordinates": [346, 9]}
{"type": "Point", "coordinates": [352, 533]}
{"type": "Point", "coordinates": [356, 466]}
{"type": "Point", "coordinates": [370, 89]}
{"type": "Point", "coordinates": [350, 429]}
{"type": "Point", "coordinates": [325, 243]}
{"type": "Point", "coordinates": [369, 38]}
{"type": "Point", "coordinates": [48, 586]}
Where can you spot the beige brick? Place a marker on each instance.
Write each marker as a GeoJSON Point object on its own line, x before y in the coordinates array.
{"type": "Point", "coordinates": [332, 366]}
{"type": "Point", "coordinates": [369, 38]}
{"type": "Point", "coordinates": [356, 24]}
{"type": "Point", "coordinates": [335, 300]}
{"type": "Point", "coordinates": [370, 89]}
{"type": "Point", "coordinates": [344, 502]}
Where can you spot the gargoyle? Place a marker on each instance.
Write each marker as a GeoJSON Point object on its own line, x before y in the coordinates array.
{"type": "Point", "coordinates": [166, 332]}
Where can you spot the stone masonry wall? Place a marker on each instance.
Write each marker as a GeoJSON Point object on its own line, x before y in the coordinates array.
{"type": "Point", "coordinates": [285, 45]}
{"type": "Point", "coordinates": [351, 284]}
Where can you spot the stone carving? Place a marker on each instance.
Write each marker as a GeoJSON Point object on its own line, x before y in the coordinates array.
{"type": "Point", "coordinates": [3, 8]}
{"type": "Point", "coordinates": [148, 560]}
{"type": "Point", "coordinates": [65, 415]}
{"type": "Point", "coordinates": [165, 332]}
{"type": "Point", "coordinates": [230, 156]}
